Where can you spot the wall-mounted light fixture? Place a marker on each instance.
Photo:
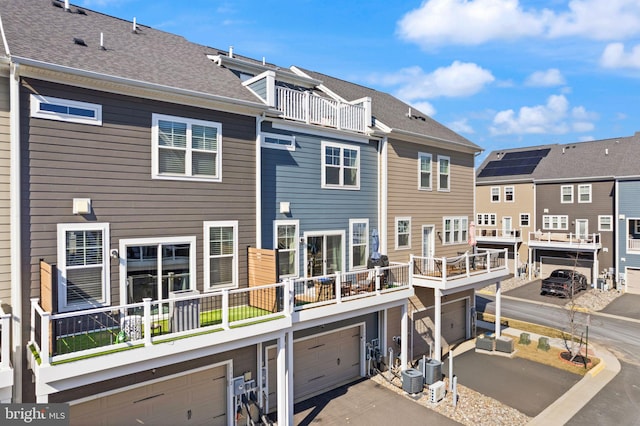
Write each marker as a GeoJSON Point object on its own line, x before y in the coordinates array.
{"type": "Point", "coordinates": [621, 217]}
{"type": "Point", "coordinates": [285, 207]}
{"type": "Point", "coordinates": [81, 205]}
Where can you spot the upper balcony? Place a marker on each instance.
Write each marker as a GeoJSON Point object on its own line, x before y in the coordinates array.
{"type": "Point", "coordinates": [633, 245]}
{"type": "Point", "coordinates": [493, 235]}
{"type": "Point", "coordinates": [6, 370]}
{"type": "Point", "coordinates": [562, 240]}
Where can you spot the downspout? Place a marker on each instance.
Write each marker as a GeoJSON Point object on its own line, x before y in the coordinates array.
{"type": "Point", "coordinates": [16, 248]}
{"type": "Point", "coordinates": [259, 120]}
{"type": "Point", "coordinates": [617, 250]}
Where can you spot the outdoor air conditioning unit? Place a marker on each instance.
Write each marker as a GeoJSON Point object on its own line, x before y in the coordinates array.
{"type": "Point", "coordinates": [412, 381]}
{"type": "Point", "coordinates": [436, 392]}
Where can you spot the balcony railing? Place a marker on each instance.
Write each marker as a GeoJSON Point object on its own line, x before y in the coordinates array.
{"type": "Point", "coordinates": [313, 109]}
{"type": "Point", "coordinates": [564, 239]}
{"type": "Point", "coordinates": [634, 244]}
{"type": "Point", "coordinates": [5, 334]}
{"type": "Point", "coordinates": [493, 233]}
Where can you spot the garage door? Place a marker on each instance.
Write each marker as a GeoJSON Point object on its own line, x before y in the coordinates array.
{"type": "Point", "coordinates": [549, 264]}
{"type": "Point", "coordinates": [320, 363]}
{"type": "Point", "coordinates": [197, 399]}
{"type": "Point", "coordinates": [633, 280]}
{"type": "Point", "coordinates": [453, 327]}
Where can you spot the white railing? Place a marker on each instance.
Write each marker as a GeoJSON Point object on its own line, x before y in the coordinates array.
{"type": "Point", "coordinates": [482, 233]}
{"type": "Point", "coordinates": [445, 269]}
{"type": "Point", "coordinates": [5, 334]}
{"type": "Point", "coordinates": [634, 244]}
{"type": "Point", "coordinates": [563, 238]}
{"type": "Point", "coordinates": [314, 109]}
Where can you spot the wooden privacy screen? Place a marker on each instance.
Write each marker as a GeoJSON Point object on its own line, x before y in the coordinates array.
{"type": "Point", "coordinates": [262, 267]}
{"type": "Point", "coordinates": [48, 275]}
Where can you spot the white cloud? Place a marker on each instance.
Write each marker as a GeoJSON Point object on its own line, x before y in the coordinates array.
{"type": "Point", "coordinates": [461, 126]}
{"type": "Point", "coordinates": [424, 107]}
{"type": "Point", "coordinates": [554, 117]}
{"type": "Point", "coordinates": [473, 22]}
{"type": "Point", "coordinates": [549, 78]}
{"type": "Point", "coordinates": [615, 56]}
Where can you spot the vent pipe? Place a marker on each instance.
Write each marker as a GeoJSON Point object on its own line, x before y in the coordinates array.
{"type": "Point", "coordinates": [66, 5]}
{"type": "Point", "coordinates": [606, 151]}
{"type": "Point", "coordinates": [231, 51]}
{"type": "Point", "coordinates": [102, 41]}
{"type": "Point", "coordinates": [135, 27]}
{"type": "Point", "coordinates": [264, 61]}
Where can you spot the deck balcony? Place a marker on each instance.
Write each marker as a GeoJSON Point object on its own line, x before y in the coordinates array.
{"type": "Point", "coordinates": [497, 236]}
{"type": "Point", "coordinates": [452, 274]}
{"type": "Point", "coordinates": [6, 369]}
{"type": "Point", "coordinates": [562, 240]}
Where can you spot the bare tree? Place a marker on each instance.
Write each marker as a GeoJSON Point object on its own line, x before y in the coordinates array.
{"type": "Point", "coordinates": [574, 328]}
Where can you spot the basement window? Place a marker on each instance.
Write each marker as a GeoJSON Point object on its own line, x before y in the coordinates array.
{"type": "Point", "coordinates": [65, 110]}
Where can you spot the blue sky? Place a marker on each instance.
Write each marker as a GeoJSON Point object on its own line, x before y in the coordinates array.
{"type": "Point", "coordinates": [503, 73]}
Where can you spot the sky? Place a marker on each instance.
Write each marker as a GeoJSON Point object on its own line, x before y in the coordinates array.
{"type": "Point", "coordinates": [502, 73]}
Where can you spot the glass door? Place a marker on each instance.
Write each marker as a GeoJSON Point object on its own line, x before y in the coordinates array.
{"type": "Point", "coordinates": [324, 254]}
{"type": "Point", "coordinates": [582, 228]}
{"type": "Point", "coordinates": [506, 226]}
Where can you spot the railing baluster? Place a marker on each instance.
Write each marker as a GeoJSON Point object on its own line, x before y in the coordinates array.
{"type": "Point", "coordinates": [146, 309]}
{"type": "Point", "coordinates": [45, 320]}
{"type": "Point", "coordinates": [225, 309]}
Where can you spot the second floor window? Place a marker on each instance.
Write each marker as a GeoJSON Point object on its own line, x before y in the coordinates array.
{"type": "Point", "coordinates": [584, 193]}
{"type": "Point", "coordinates": [555, 222]}
{"type": "Point", "coordinates": [524, 219]}
{"type": "Point", "coordinates": [455, 230]}
{"type": "Point", "coordinates": [444, 173]}
{"type": "Point", "coordinates": [424, 171]}
{"type": "Point", "coordinates": [403, 233]}
{"type": "Point", "coordinates": [185, 148]}
{"type": "Point", "coordinates": [566, 194]}
{"type": "Point", "coordinates": [486, 219]}
{"type": "Point", "coordinates": [221, 254]}
{"type": "Point", "coordinates": [605, 223]}
{"type": "Point", "coordinates": [509, 194]}
{"type": "Point", "coordinates": [340, 166]}
{"type": "Point", "coordinates": [495, 194]}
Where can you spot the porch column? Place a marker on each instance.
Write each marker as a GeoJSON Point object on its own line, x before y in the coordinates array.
{"type": "Point", "coordinates": [281, 361]}
{"type": "Point", "coordinates": [498, 308]}
{"type": "Point", "coordinates": [290, 377]}
{"type": "Point", "coordinates": [437, 351]}
{"type": "Point", "coordinates": [530, 263]}
{"type": "Point", "coordinates": [516, 263]}
{"type": "Point", "coordinates": [404, 342]}
{"type": "Point", "coordinates": [596, 268]}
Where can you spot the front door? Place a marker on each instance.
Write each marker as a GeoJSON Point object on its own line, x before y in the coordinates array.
{"type": "Point", "coordinates": [428, 246]}
{"type": "Point", "coordinates": [582, 228]}
{"type": "Point", "coordinates": [325, 253]}
{"type": "Point", "coordinates": [506, 225]}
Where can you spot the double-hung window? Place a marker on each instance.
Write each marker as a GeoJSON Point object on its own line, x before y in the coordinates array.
{"type": "Point", "coordinates": [584, 193]}
{"type": "Point", "coordinates": [487, 219]}
{"type": "Point", "coordinates": [403, 233]}
{"type": "Point", "coordinates": [186, 149]}
{"type": "Point", "coordinates": [286, 234]}
{"type": "Point", "coordinates": [83, 265]}
{"type": "Point", "coordinates": [455, 230]}
{"type": "Point", "coordinates": [524, 220]}
{"type": "Point", "coordinates": [359, 243]}
{"type": "Point", "coordinates": [566, 194]}
{"type": "Point", "coordinates": [340, 166]}
{"type": "Point", "coordinates": [444, 173]}
{"type": "Point", "coordinates": [424, 171]}
{"type": "Point", "coordinates": [555, 222]}
{"type": "Point", "coordinates": [509, 196]}
{"type": "Point", "coordinates": [495, 194]}
{"type": "Point", "coordinates": [221, 254]}
{"type": "Point", "coordinates": [605, 223]}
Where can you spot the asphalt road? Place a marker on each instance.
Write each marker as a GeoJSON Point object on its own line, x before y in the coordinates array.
{"type": "Point", "coordinates": [619, 402]}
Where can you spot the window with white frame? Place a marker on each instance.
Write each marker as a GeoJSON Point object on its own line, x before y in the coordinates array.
{"type": "Point", "coordinates": [605, 223]}
{"type": "Point", "coordinates": [403, 232]}
{"type": "Point", "coordinates": [83, 265]}
{"type": "Point", "coordinates": [358, 243]}
{"type": "Point", "coordinates": [58, 109]}
{"type": "Point", "coordinates": [424, 171]}
{"type": "Point", "coordinates": [275, 141]}
{"type": "Point", "coordinates": [221, 254]}
{"type": "Point", "coordinates": [509, 194]}
{"type": "Point", "coordinates": [455, 230]}
{"type": "Point", "coordinates": [444, 173]}
{"type": "Point", "coordinates": [486, 219]}
{"type": "Point", "coordinates": [525, 220]}
{"type": "Point", "coordinates": [495, 194]}
{"type": "Point", "coordinates": [566, 194]}
{"type": "Point", "coordinates": [186, 148]}
{"type": "Point", "coordinates": [555, 222]}
{"type": "Point", "coordinates": [286, 235]}
{"type": "Point", "coordinates": [340, 166]}
{"type": "Point", "coordinates": [584, 193]}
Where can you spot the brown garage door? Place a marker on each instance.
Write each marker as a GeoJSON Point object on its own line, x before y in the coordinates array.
{"type": "Point", "coordinates": [632, 278]}
{"type": "Point", "coordinates": [453, 327]}
{"type": "Point", "coordinates": [320, 363]}
{"type": "Point", "coordinates": [197, 399]}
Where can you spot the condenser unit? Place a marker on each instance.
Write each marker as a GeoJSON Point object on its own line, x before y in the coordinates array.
{"type": "Point", "coordinates": [436, 392]}
{"type": "Point", "coordinates": [412, 381]}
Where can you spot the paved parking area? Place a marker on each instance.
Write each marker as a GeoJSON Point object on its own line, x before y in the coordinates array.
{"type": "Point", "coordinates": [531, 292]}
{"type": "Point", "coordinates": [627, 305]}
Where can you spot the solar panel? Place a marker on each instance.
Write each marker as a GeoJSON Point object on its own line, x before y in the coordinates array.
{"type": "Point", "coordinates": [514, 163]}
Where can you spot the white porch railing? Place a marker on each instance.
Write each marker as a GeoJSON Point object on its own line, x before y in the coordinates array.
{"type": "Point", "coordinates": [634, 244]}
{"type": "Point", "coordinates": [313, 109]}
{"type": "Point", "coordinates": [563, 239]}
{"type": "Point", "coordinates": [468, 265]}
{"type": "Point", "coordinates": [491, 233]}
{"type": "Point", "coordinates": [5, 334]}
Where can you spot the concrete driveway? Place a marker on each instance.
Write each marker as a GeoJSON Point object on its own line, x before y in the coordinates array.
{"type": "Point", "coordinates": [531, 292]}
{"type": "Point", "coordinates": [627, 305]}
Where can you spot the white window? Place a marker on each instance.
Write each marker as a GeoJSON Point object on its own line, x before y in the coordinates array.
{"type": "Point", "coordinates": [65, 110]}
{"type": "Point", "coordinates": [584, 193]}
{"type": "Point", "coordinates": [495, 194]}
{"type": "Point", "coordinates": [275, 141]}
{"type": "Point", "coordinates": [358, 243]}
{"type": "Point", "coordinates": [524, 220]}
{"type": "Point", "coordinates": [403, 232]}
{"type": "Point", "coordinates": [455, 230]}
{"type": "Point", "coordinates": [286, 235]}
{"type": "Point", "coordinates": [444, 173]}
{"type": "Point", "coordinates": [509, 194]}
{"type": "Point", "coordinates": [424, 171]}
{"type": "Point", "coordinates": [566, 194]}
{"type": "Point", "coordinates": [83, 266]}
{"type": "Point", "coordinates": [340, 166]}
{"type": "Point", "coordinates": [486, 219]}
{"type": "Point", "coordinates": [605, 223]}
{"type": "Point", "coordinates": [221, 254]}
{"type": "Point", "coordinates": [186, 149]}
{"type": "Point", "coordinates": [555, 222]}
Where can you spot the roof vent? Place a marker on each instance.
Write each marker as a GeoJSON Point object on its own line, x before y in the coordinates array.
{"type": "Point", "coordinates": [66, 5]}
{"type": "Point", "coordinates": [102, 42]}
{"type": "Point", "coordinates": [606, 151]}
{"type": "Point", "coordinates": [135, 26]}
{"type": "Point", "coordinates": [231, 51]}
{"type": "Point", "coordinates": [56, 3]}
{"type": "Point", "coordinates": [79, 41]}
{"type": "Point", "coordinates": [81, 12]}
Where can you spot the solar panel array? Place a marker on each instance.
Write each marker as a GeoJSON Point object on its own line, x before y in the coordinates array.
{"type": "Point", "coordinates": [514, 163]}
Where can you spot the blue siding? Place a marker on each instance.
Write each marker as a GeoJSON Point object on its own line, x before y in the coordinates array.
{"type": "Point", "coordinates": [295, 176]}
{"type": "Point", "coordinates": [260, 87]}
{"type": "Point", "coordinates": [628, 205]}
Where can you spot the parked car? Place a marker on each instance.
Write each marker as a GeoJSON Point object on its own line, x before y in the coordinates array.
{"type": "Point", "coordinates": [564, 283]}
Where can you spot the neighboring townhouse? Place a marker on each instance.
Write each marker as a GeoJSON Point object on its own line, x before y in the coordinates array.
{"type": "Point", "coordinates": [569, 192]}
{"type": "Point", "coordinates": [426, 191]}
{"type": "Point", "coordinates": [192, 232]}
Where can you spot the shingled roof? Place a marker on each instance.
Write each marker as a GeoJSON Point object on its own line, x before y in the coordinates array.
{"type": "Point", "coordinates": [43, 31]}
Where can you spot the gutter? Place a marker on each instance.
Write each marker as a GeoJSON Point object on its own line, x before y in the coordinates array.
{"type": "Point", "coordinates": [423, 136]}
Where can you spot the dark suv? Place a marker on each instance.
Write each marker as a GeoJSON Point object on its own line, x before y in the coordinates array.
{"type": "Point", "coordinates": [564, 283]}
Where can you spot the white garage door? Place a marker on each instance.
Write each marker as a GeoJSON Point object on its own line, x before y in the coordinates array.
{"type": "Point", "coordinates": [549, 264]}
{"type": "Point", "coordinates": [453, 327]}
{"type": "Point", "coordinates": [632, 278]}
{"type": "Point", "coordinates": [196, 399]}
{"type": "Point", "coordinates": [320, 363]}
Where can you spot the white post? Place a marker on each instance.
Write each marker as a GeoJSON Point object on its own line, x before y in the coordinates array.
{"type": "Point", "coordinates": [404, 342]}
{"type": "Point", "coordinates": [5, 343]}
{"type": "Point", "coordinates": [225, 309]}
{"type": "Point", "coordinates": [45, 320]}
{"type": "Point", "coordinates": [147, 320]}
{"type": "Point", "coordinates": [287, 297]}
{"type": "Point", "coordinates": [377, 268]}
{"type": "Point", "coordinates": [290, 389]}
{"type": "Point", "coordinates": [498, 308]}
{"type": "Point", "coordinates": [337, 287]}
{"type": "Point", "coordinates": [450, 370]}
{"type": "Point", "coordinates": [438, 324]}
{"type": "Point", "coordinates": [282, 381]}
{"type": "Point", "coordinates": [32, 334]}
{"type": "Point", "coordinates": [530, 263]}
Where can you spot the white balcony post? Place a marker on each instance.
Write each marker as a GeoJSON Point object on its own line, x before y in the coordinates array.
{"type": "Point", "coordinates": [146, 311]}
{"type": "Point", "coordinates": [338, 113]}
{"type": "Point", "coordinates": [377, 268]}
{"type": "Point", "coordinates": [498, 308]}
{"type": "Point", "coordinates": [225, 309]}
{"type": "Point", "coordinates": [287, 297]}
{"type": "Point", "coordinates": [444, 269]}
{"type": "Point", "coordinates": [45, 321]}
{"type": "Point", "coordinates": [367, 113]}
{"type": "Point", "coordinates": [32, 334]}
{"type": "Point", "coordinates": [281, 381]}
{"type": "Point", "coordinates": [410, 271]}
{"type": "Point", "coordinates": [437, 351]}
{"type": "Point", "coordinates": [6, 332]}
{"type": "Point", "coordinates": [307, 106]}
{"type": "Point", "coordinates": [466, 261]}
{"type": "Point", "coordinates": [404, 341]}
{"type": "Point", "coordinates": [338, 287]}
